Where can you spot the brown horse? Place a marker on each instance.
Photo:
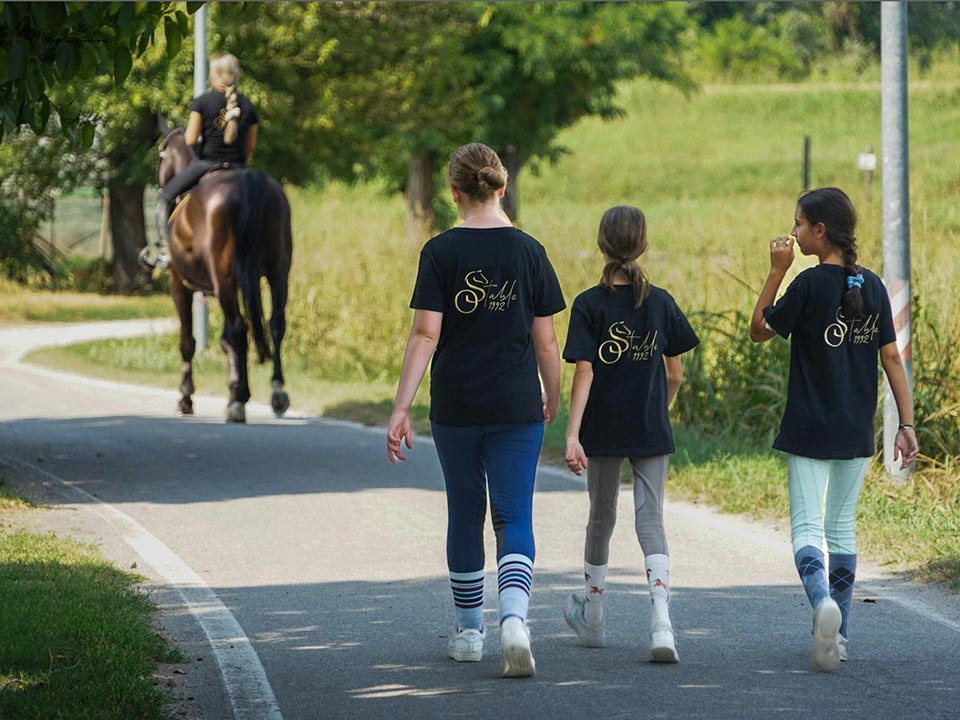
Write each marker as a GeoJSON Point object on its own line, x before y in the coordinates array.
{"type": "Point", "coordinates": [231, 230]}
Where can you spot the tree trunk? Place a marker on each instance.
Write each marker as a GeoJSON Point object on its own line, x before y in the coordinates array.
{"type": "Point", "coordinates": [126, 203]}
{"type": "Point", "coordinates": [511, 199]}
{"type": "Point", "coordinates": [420, 192]}
{"type": "Point", "coordinates": [127, 229]}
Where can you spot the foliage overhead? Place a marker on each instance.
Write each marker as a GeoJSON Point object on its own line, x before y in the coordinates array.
{"type": "Point", "coordinates": [47, 49]}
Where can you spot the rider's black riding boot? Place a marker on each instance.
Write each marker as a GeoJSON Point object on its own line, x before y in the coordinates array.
{"type": "Point", "coordinates": [158, 253]}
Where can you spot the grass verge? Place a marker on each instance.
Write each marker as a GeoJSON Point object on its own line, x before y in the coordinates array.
{"type": "Point", "coordinates": [18, 304]}
{"type": "Point", "coordinates": [77, 641]}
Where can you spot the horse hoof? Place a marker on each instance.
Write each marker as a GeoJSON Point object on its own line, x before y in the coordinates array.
{"type": "Point", "coordinates": [186, 406]}
{"type": "Point", "coordinates": [280, 402]}
{"type": "Point", "coordinates": [236, 413]}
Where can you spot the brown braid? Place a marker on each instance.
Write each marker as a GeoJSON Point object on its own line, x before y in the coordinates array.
{"type": "Point", "coordinates": [833, 208]}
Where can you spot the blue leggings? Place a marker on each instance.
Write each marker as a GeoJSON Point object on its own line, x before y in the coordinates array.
{"type": "Point", "coordinates": [503, 459]}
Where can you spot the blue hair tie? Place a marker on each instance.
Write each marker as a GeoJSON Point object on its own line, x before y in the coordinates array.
{"type": "Point", "coordinates": [854, 281]}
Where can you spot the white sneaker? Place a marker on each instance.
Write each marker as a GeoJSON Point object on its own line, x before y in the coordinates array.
{"type": "Point", "coordinates": [573, 612]}
{"type": "Point", "coordinates": [663, 649]}
{"type": "Point", "coordinates": [842, 643]}
{"type": "Point", "coordinates": [466, 645]}
{"type": "Point", "coordinates": [515, 645]}
{"type": "Point", "coordinates": [825, 655]}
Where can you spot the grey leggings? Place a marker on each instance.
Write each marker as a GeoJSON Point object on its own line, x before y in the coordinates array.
{"type": "Point", "coordinates": [603, 484]}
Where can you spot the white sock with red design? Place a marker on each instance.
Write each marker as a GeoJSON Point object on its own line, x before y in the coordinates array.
{"type": "Point", "coordinates": [593, 577]}
{"type": "Point", "coordinates": [658, 575]}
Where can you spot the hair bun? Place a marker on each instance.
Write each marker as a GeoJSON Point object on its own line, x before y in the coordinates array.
{"type": "Point", "coordinates": [492, 177]}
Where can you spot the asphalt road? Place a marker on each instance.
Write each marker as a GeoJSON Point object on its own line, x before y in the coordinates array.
{"type": "Point", "coordinates": [308, 574]}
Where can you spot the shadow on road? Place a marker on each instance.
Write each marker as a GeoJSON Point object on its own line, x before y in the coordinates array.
{"type": "Point", "coordinates": [371, 649]}
{"type": "Point", "coordinates": [193, 460]}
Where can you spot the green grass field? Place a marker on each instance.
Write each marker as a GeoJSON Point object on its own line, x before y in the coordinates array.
{"type": "Point", "coordinates": [717, 174]}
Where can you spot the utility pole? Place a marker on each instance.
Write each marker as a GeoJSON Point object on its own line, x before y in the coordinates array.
{"type": "Point", "coordinates": [201, 313]}
{"type": "Point", "coordinates": [896, 207]}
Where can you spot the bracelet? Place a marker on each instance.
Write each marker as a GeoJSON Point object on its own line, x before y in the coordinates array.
{"type": "Point", "coordinates": [904, 426]}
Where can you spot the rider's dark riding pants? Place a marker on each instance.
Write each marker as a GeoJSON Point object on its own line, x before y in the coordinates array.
{"type": "Point", "coordinates": [185, 179]}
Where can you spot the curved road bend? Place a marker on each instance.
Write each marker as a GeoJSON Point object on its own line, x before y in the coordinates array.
{"type": "Point", "coordinates": [329, 564]}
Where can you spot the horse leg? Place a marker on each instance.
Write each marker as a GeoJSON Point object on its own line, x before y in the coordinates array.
{"type": "Point", "coordinates": [182, 299]}
{"type": "Point", "coordinates": [279, 399]}
{"type": "Point", "coordinates": [234, 344]}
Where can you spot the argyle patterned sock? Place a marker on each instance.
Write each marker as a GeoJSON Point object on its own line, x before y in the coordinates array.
{"type": "Point", "coordinates": [843, 571]}
{"type": "Point", "coordinates": [809, 562]}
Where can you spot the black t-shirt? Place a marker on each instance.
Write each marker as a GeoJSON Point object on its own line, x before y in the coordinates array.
{"type": "Point", "coordinates": [626, 413]}
{"type": "Point", "coordinates": [832, 394]}
{"type": "Point", "coordinates": [212, 106]}
{"type": "Point", "coordinates": [489, 284]}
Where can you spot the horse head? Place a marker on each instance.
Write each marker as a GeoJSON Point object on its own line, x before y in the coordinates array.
{"type": "Point", "coordinates": [174, 155]}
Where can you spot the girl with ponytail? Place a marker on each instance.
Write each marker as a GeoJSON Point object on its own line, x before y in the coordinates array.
{"type": "Point", "coordinates": [837, 315]}
{"type": "Point", "coordinates": [222, 130]}
{"type": "Point", "coordinates": [626, 337]}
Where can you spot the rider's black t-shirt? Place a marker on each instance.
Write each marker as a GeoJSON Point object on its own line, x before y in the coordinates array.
{"type": "Point", "coordinates": [212, 106]}
{"type": "Point", "coordinates": [832, 392]}
{"type": "Point", "coordinates": [489, 283]}
{"type": "Point", "coordinates": [626, 413]}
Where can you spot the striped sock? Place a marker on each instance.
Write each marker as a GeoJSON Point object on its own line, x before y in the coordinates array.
{"type": "Point", "coordinates": [809, 562]}
{"type": "Point", "coordinates": [843, 571]}
{"type": "Point", "coordinates": [468, 599]}
{"type": "Point", "coordinates": [514, 578]}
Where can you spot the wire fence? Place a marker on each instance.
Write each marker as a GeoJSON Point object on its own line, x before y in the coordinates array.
{"type": "Point", "coordinates": [80, 227]}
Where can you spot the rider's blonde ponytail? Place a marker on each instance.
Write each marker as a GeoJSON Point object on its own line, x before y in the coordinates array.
{"type": "Point", "coordinates": [224, 74]}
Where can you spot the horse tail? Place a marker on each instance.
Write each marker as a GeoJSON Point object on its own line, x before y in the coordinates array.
{"type": "Point", "coordinates": [249, 234]}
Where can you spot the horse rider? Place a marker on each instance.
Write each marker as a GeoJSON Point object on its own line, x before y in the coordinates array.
{"type": "Point", "coordinates": [222, 132]}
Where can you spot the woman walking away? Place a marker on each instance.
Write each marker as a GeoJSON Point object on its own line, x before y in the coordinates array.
{"type": "Point", "coordinates": [626, 337]}
{"type": "Point", "coordinates": [483, 304]}
{"type": "Point", "coordinates": [222, 129]}
{"type": "Point", "coordinates": [837, 316]}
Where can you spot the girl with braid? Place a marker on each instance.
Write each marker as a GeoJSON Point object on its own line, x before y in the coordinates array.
{"type": "Point", "coordinates": [837, 315]}
{"type": "Point", "coordinates": [626, 337]}
{"type": "Point", "coordinates": [222, 131]}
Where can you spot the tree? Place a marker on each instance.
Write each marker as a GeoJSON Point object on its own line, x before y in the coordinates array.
{"type": "Point", "coordinates": [159, 80]}
{"type": "Point", "coordinates": [360, 89]}
{"type": "Point", "coordinates": [45, 46]}
{"type": "Point", "coordinates": [392, 89]}
{"type": "Point", "coordinates": [33, 169]}
{"type": "Point", "coordinates": [549, 65]}
{"type": "Point", "coordinates": [70, 60]}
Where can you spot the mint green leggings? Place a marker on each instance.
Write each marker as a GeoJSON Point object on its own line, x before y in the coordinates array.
{"type": "Point", "coordinates": [840, 480]}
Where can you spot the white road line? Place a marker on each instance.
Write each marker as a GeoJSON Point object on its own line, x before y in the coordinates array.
{"type": "Point", "coordinates": [248, 688]}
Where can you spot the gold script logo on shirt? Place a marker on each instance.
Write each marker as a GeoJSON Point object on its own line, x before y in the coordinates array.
{"type": "Point", "coordinates": [483, 292]}
{"type": "Point", "coordinates": [624, 340]}
{"type": "Point", "coordinates": [860, 332]}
